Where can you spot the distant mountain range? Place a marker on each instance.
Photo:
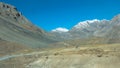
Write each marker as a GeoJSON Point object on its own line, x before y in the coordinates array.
{"type": "Point", "coordinates": [107, 29]}
{"type": "Point", "coordinates": [85, 29]}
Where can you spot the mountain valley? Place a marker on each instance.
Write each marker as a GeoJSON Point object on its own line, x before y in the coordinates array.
{"type": "Point", "coordinates": [89, 44]}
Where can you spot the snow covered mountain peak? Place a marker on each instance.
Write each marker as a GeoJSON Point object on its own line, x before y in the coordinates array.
{"type": "Point", "coordinates": [86, 23]}
{"type": "Point", "coordinates": [94, 20]}
{"type": "Point", "coordinates": [60, 29]}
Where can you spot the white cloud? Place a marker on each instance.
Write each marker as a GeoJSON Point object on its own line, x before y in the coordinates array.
{"type": "Point", "coordinates": [60, 29]}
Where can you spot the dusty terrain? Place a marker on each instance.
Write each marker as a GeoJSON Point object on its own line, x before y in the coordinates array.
{"type": "Point", "coordinates": [100, 56]}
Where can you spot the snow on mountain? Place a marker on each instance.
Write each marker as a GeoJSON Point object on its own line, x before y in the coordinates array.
{"type": "Point", "coordinates": [85, 24]}
{"type": "Point", "coordinates": [60, 29]}
{"type": "Point", "coordinates": [84, 29]}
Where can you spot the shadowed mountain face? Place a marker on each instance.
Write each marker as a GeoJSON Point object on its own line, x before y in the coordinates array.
{"type": "Point", "coordinates": [15, 28]}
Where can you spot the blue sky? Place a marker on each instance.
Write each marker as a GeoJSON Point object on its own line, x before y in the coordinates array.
{"type": "Point", "coordinates": [50, 14]}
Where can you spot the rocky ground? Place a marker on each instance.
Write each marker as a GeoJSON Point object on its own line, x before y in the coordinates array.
{"type": "Point", "coordinates": [100, 56]}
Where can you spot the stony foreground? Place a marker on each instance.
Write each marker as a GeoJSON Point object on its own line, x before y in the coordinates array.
{"type": "Point", "coordinates": [101, 56]}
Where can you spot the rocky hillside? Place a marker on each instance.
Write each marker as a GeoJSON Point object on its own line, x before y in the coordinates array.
{"type": "Point", "coordinates": [17, 31]}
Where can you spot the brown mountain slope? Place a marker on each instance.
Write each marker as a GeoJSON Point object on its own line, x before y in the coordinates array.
{"type": "Point", "coordinates": [19, 34]}
{"type": "Point", "coordinates": [14, 27]}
